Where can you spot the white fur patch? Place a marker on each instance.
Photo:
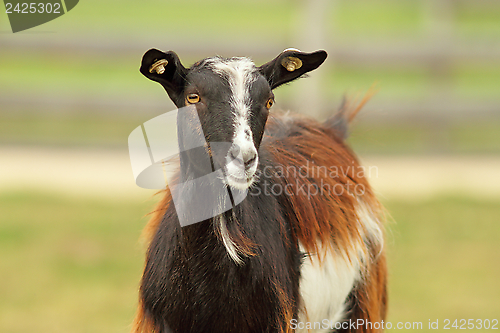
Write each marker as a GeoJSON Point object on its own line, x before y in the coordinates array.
{"type": "Point", "coordinates": [371, 224]}
{"type": "Point", "coordinates": [229, 244]}
{"type": "Point", "coordinates": [240, 73]}
{"type": "Point", "coordinates": [324, 287]}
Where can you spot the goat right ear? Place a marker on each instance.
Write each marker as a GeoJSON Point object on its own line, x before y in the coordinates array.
{"type": "Point", "coordinates": [166, 69]}
{"type": "Point", "coordinates": [290, 65]}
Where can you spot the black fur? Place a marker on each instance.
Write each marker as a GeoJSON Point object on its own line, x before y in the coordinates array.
{"type": "Point", "coordinates": [190, 283]}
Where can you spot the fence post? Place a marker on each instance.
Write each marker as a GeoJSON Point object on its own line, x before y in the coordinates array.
{"type": "Point", "coordinates": [310, 31]}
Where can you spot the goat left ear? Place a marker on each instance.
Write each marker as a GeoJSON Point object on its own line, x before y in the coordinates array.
{"type": "Point", "coordinates": [291, 64]}
{"type": "Point", "coordinates": [166, 69]}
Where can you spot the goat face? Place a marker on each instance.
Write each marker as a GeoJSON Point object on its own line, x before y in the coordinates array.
{"type": "Point", "coordinates": [232, 98]}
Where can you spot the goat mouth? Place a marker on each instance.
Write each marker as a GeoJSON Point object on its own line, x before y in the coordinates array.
{"type": "Point", "coordinates": [239, 175]}
{"type": "Point", "coordinates": [238, 181]}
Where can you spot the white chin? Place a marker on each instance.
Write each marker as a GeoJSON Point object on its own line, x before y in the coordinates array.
{"type": "Point", "coordinates": [239, 183]}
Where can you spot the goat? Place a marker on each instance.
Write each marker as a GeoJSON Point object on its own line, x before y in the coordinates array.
{"type": "Point", "coordinates": [286, 258]}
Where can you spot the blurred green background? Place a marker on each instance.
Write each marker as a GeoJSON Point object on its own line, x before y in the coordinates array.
{"type": "Point", "coordinates": [71, 92]}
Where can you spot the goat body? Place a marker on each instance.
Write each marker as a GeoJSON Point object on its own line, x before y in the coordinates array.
{"type": "Point", "coordinates": [304, 247]}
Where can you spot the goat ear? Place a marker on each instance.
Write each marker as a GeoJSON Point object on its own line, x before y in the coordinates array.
{"type": "Point", "coordinates": [291, 64]}
{"type": "Point", "coordinates": [166, 69]}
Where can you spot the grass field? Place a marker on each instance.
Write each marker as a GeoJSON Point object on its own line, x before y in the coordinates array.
{"type": "Point", "coordinates": [73, 264]}
{"type": "Point", "coordinates": [68, 265]}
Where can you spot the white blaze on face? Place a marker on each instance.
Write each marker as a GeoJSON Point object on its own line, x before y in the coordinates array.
{"type": "Point", "coordinates": [240, 73]}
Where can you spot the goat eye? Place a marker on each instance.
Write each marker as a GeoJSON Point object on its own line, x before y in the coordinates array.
{"type": "Point", "coordinates": [270, 103]}
{"type": "Point", "coordinates": [193, 98]}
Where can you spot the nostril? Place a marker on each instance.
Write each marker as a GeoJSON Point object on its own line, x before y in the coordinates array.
{"type": "Point", "coordinates": [245, 158]}
{"type": "Point", "coordinates": [250, 161]}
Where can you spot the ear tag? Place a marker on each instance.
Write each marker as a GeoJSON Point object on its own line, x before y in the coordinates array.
{"type": "Point", "coordinates": [291, 63]}
{"type": "Point", "coordinates": [158, 66]}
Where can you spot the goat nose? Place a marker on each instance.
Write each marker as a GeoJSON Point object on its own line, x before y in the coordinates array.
{"type": "Point", "coordinates": [249, 158]}
{"type": "Point", "coordinates": [244, 157]}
